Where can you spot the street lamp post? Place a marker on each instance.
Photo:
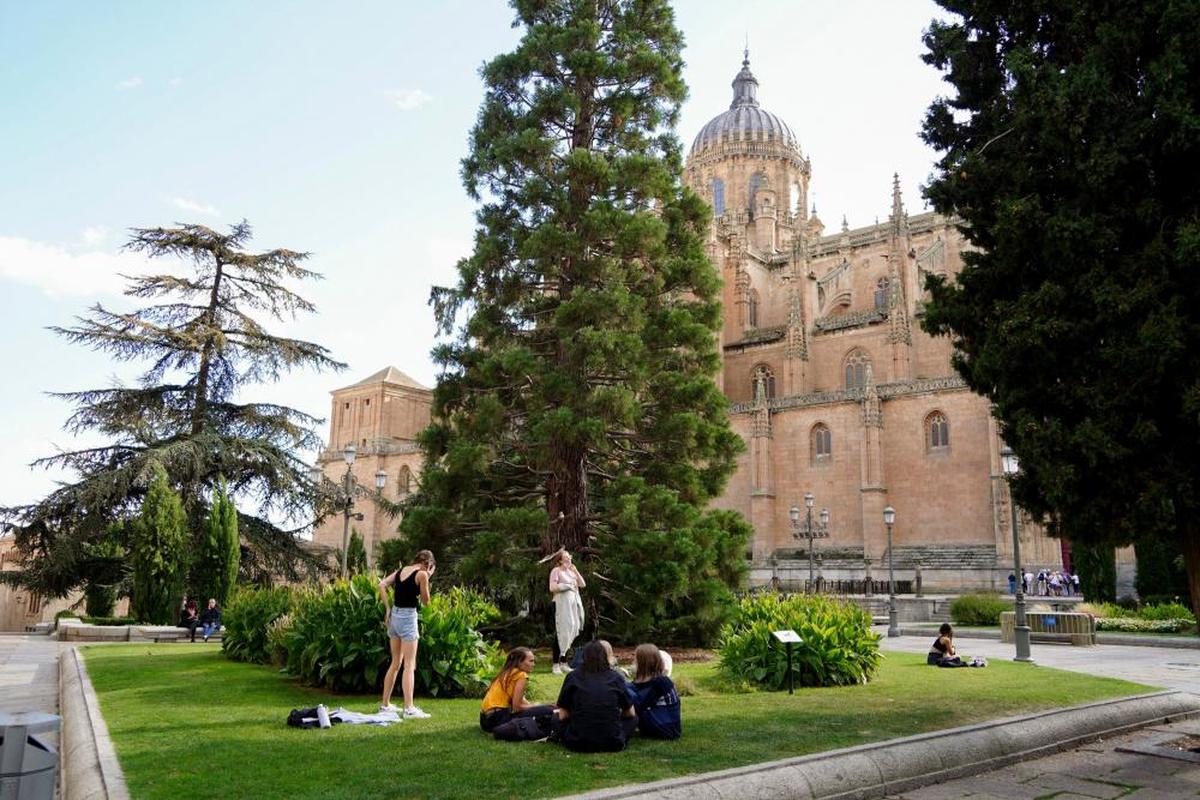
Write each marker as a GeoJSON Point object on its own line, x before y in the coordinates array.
{"type": "Point", "coordinates": [809, 531]}
{"type": "Point", "coordinates": [345, 495]}
{"type": "Point", "coordinates": [889, 519]}
{"type": "Point", "coordinates": [1010, 464]}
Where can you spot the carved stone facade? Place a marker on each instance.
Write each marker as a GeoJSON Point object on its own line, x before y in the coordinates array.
{"type": "Point", "coordinates": [833, 384]}
{"type": "Point", "coordinates": [382, 415]}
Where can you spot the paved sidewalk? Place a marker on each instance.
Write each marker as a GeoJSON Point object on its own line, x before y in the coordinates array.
{"type": "Point", "coordinates": [1098, 770]}
{"type": "Point", "coordinates": [28, 673]}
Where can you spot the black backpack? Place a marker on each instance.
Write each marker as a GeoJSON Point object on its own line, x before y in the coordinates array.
{"type": "Point", "coordinates": [524, 729]}
{"type": "Point", "coordinates": [303, 718]}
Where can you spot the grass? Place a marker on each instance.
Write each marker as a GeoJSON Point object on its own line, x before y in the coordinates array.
{"type": "Point", "coordinates": [188, 723]}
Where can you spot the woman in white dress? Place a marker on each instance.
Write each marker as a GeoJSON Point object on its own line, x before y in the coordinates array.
{"type": "Point", "coordinates": [565, 583]}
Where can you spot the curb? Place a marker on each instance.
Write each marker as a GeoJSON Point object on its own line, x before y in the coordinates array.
{"type": "Point", "coordinates": [899, 765]}
{"type": "Point", "coordinates": [89, 766]}
{"type": "Point", "coordinates": [1102, 637]}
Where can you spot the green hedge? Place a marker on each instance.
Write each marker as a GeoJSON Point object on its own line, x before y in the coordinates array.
{"type": "Point", "coordinates": [837, 648]}
{"type": "Point", "coordinates": [246, 619]}
{"type": "Point", "coordinates": [337, 640]}
{"type": "Point", "coordinates": [978, 609]}
{"type": "Point", "coordinates": [110, 621]}
{"type": "Point", "coordinates": [1134, 625]}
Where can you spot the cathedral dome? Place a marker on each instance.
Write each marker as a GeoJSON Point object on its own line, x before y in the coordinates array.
{"type": "Point", "coordinates": [745, 120]}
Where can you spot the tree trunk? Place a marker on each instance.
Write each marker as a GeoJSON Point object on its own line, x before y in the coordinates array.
{"type": "Point", "coordinates": [1189, 542]}
{"type": "Point", "coordinates": [567, 501]}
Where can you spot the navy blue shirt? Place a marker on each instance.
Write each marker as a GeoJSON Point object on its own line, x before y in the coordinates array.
{"type": "Point", "coordinates": [596, 701]}
{"type": "Point", "coordinates": [657, 706]}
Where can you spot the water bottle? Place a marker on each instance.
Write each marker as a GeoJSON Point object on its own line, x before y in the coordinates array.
{"type": "Point", "coordinates": [323, 716]}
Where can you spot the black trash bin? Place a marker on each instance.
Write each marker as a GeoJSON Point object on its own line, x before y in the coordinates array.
{"type": "Point", "coordinates": [28, 765]}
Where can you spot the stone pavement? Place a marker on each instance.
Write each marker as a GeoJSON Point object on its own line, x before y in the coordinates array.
{"type": "Point", "coordinates": [1101, 769]}
{"type": "Point", "coordinates": [28, 673]}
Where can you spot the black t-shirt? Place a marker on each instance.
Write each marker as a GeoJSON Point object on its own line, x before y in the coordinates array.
{"type": "Point", "coordinates": [596, 701]}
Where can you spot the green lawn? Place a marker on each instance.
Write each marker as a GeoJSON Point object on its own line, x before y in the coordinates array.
{"type": "Point", "coordinates": [189, 723]}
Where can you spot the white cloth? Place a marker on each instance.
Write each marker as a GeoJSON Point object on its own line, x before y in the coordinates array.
{"type": "Point", "coordinates": [568, 611]}
{"type": "Point", "coordinates": [381, 718]}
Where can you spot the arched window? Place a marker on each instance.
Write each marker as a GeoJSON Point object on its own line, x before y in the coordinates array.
{"type": "Point", "coordinates": [756, 181]}
{"type": "Point", "coordinates": [856, 369]}
{"type": "Point", "coordinates": [752, 311]}
{"type": "Point", "coordinates": [821, 442]}
{"type": "Point", "coordinates": [718, 193]}
{"type": "Point", "coordinates": [795, 199]}
{"type": "Point", "coordinates": [881, 293]}
{"type": "Point", "coordinates": [937, 431]}
{"type": "Point", "coordinates": [404, 481]}
{"type": "Point", "coordinates": [763, 376]}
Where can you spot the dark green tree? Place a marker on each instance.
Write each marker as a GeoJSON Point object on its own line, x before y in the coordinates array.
{"type": "Point", "coordinates": [205, 346]}
{"type": "Point", "coordinates": [107, 571]}
{"type": "Point", "coordinates": [159, 552]}
{"type": "Point", "coordinates": [390, 555]}
{"type": "Point", "coordinates": [215, 567]}
{"type": "Point", "coordinates": [1161, 574]}
{"type": "Point", "coordinates": [1071, 153]}
{"type": "Point", "coordinates": [357, 558]}
{"type": "Point", "coordinates": [577, 406]}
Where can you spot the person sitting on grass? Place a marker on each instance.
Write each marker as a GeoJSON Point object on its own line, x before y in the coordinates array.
{"type": "Point", "coordinates": [594, 706]}
{"type": "Point", "coordinates": [941, 652]}
{"type": "Point", "coordinates": [505, 698]}
{"type": "Point", "coordinates": [653, 693]}
{"type": "Point", "coordinates": [210, 620]}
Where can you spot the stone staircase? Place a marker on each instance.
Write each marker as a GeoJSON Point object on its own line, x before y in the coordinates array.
{"type": "Point", "coordinates": [944, 556]}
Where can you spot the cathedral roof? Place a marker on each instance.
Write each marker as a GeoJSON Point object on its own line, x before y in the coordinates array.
{"type": "Point", "coordinates": [387, 375]}
{"type": "Point", "coordinates": [745, 119]}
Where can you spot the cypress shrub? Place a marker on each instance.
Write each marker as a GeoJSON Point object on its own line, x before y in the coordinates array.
{"type": "Point", "coordinates": [158, 553]}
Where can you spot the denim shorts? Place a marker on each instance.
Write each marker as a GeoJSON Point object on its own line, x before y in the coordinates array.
{"type": "Point", "coordinates": [402, 624]}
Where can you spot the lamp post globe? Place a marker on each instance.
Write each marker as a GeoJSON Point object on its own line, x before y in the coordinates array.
{"type": "Point", "coordinates": [380, 479]}
{"type": "Point", "coordinates": [349, 452]}
{"type": "Point", "coordinates": [889, 519]}
{"type": "Point", "coordinates": [1011, 465]}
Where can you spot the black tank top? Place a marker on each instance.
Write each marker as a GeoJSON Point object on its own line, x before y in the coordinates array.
{"type": "Point", "coordinates": [405, 592]}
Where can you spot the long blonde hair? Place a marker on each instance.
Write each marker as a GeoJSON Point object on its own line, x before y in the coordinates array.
{"type": "Point", "coordinates": [648, 663]}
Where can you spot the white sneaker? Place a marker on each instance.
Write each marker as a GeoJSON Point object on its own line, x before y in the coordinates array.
{"type": "Point", "coordinates": [415, 713]}
{"type": "Point", "coordinates": [557, 668]}
{"type": "Point", "coordinates": [389, 707]}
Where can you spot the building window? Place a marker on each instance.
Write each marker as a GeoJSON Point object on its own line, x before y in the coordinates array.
{"type": "Point", "coordinates": [752, 312]}
{"type": "Point", "coordinates": [367, 402]}
{"type": "Point", "coordinates": [718, 193]}
{"type": "Point", "coordinates": [404, 483]}
{"type": "Point", "coordinates": [822, 442]}
{"type": "Point", "coordinates": [347, 404]}
{"type": "Point", "coordinates": [856, 369]}
{"type": "Point", "coordinates": [764, 377]}
{"type": "Point", "coordinates": [881, 293]}
{"type": "Point", "coordinates": [937, 432]}
{"type": "Point", "coordinates": [756, 181]}
{"type": "Point", "coordinates": [35, 605]}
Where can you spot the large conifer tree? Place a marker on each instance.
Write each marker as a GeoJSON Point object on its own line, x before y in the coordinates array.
{"type": "Point", "coordinates": [204, 345]}
{"type": "Point", "coordinates": [1072, 154]}
{"type": "Point", "coordinates": [158, 556]}
{"type": "Point", "coordinates": [577, 406]}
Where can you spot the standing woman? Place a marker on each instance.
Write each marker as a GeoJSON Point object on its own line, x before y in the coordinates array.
{"type": "Point", "coordinates": [565, 583]}
{"type": "Point", "coordinates": [408, 584]}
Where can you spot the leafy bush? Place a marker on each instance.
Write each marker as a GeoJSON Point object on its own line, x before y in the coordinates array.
{"type": "Point", "coordinates": [247, 618]}
{"type": "Point", "coordinates": [838, 647]}
{"type": "Point", "coordinates": [1166, 611]}
{"type": "Point", "coordinates": [978, 609]}
{"type": "Point", "coordinates": [337, 640]}
{"type": "Point", "coordinates": [1164, 599]}
{"type": "Point", "coordinates": [1134, 625]}
{"type": "Point", "coordinates": [1104, 610]}
{"type": "Point", "coordinates": [110, 621]}
{"type": "Point", "coordinates": [66, 612]}
{"type": "Point", "coordinates": [277, 639]}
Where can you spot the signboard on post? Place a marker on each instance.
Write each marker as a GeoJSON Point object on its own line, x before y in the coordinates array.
{"type": "Point", "coordinates": [788, 638]}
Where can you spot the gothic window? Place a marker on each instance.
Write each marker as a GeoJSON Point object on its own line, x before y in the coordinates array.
{"type": "Point", "coordinates": [881, 293]}
{"type": "Point", "coordinates": [856, 369]}
{"type": "Point", "coordinates": [763, 375]}
{"type": "Point", "coordinates": [795, 200]}
{"type": "Point", "coordinates": [404, 481]}
{"type": "Point", "coordinates": [35, 605]}
{"type": "Point", "coordinates": [937, 432]}
{"type": "Point", "coordinates": [718, 193]}
{"type": "Point", "coordinates": [756, 181]}
{"type": "Point", "coordinates": [752, 312]}
{"type": "Point", "coordinates": [822, 442]}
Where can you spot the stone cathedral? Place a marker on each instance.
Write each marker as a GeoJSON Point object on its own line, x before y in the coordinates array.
{"type": "Point", "coordinates": [832, 384]}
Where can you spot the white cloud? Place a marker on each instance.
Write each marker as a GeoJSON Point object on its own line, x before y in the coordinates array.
{"type": "Point", "coordinates": [194, 207]}
{"type": "Point", "coordinates": [130, 83]}
{"type": "Point", "coordinates": [408, 99]}
{"type": "Point", "coordinates": [94, 235]}
{"type": "Point", "coordinates": [59, 272]}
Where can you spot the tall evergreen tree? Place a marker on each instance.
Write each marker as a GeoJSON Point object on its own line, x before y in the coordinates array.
{"type": "Point", "coordinates": [215, 567]}
{"type": "Point", "coordinates": [356, 554]}
{"type": "Point", "coordinates": [577, 406]}
{"type": "Point", "coordinates": [1072, 155]}
{"type": "Point", "coordinates": [205, 346]}
{"type": "Point", "coordinates": [159, 552]}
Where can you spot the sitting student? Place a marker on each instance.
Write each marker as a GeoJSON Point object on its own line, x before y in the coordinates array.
{"type": "Point", "coordinates": [210, 620]}
{"type": "Point", "coordinates": [941, 652]}
{"type": "Point", "coordinates": [594, 706]}
{"type": "Point", "coordinates": [505, 696]}
{"type": "Point", "coordinates": [654, 697]}
{"type": "Point", "coordinates": [189, 618]}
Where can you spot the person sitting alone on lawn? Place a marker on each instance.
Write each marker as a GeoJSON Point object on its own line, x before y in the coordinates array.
{"type": "Point", "coordinates": [189, 618]}
{"type": "Point", "coordinates": [210, 620]}
{"type": "Point", "coordinates": [941, 652]}
{"type": "Point", "coordinates": [505, 698]}
{"type": "Point", "coordinates": [655, 699]}
{"type": "Point", "coordinates": [594, 705]}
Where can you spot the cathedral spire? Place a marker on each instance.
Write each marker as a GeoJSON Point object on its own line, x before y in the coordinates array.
{"type": "Point", "coordinates": [745, 85]}
{"type": "Point", "coordinates": [898, 219]}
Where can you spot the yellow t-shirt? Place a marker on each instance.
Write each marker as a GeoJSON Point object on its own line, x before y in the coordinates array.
{"type": "Point", "coordinates": [500, 693]}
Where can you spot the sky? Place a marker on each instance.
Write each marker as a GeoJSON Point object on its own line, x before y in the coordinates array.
{"type": "Point", "coordinates": [337, 129]}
